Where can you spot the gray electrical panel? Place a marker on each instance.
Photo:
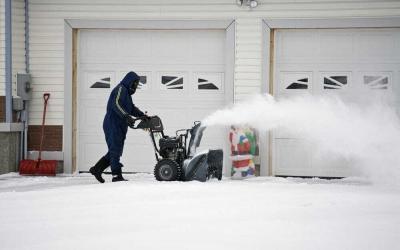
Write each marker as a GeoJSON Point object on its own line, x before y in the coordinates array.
{"type": "Point", "coordinates": [18, 104]}
{"type": "Point", "coordinates": [24, 90]}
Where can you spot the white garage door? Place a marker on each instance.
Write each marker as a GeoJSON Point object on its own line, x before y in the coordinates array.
{"type": "Point", "coordinates": [182, 80]}
{"type": "Point", "coordinates": [327, 61]}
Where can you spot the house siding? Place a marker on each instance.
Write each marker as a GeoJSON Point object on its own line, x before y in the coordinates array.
{"type": "Point", "coordinates": [18, 41]}
{"type": "Point", "coordinates": [46, 43]}
{"type": "Point", "coordinates": [2, 48]}
{"type": "Point", "coordinates": [248, 59]}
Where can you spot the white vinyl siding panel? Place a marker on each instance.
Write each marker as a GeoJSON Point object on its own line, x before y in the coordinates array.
{"type": "Point", "coordinates": [248, 58]}
{"type": "Point", "coordinates": [47, 33]}
{"type": "Point", "coordinates": [18, 41]}
{"type": "Point", "coordinates": [2, 48]}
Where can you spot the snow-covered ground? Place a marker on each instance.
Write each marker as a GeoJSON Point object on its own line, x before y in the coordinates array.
{"type": "Point", "coordinates": [259, 213]}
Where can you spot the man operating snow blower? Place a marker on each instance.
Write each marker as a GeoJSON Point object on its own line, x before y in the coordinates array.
{"type": "Point", "coordinates": [120, 110]}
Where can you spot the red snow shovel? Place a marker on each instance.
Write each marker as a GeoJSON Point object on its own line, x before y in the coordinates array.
{"type": "Point", "coordinates": [39, 167]}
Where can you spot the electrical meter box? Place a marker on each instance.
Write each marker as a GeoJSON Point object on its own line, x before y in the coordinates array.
{"type": "Point", "coordinates": [24, 90]}
{"type": "Point", "coordinates": [18, 104]}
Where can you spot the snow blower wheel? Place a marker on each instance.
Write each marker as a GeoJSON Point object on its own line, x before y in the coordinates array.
{"type": "Point", "coordinates": [167, 170]}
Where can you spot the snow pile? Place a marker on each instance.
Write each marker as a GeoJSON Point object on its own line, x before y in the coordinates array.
{"type": "Point", "coordinates": [365, 131]}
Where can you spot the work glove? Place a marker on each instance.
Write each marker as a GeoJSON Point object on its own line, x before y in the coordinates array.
{"type": "Point", "coordinates": [130, 121]}
{"type": "Point", "coordinates": [146, 118]}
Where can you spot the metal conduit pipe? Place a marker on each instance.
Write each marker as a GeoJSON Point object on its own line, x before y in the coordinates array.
{"type": "Point", "coordinates": [8, 70]}
{"type": "Point", "coordinates": [24, 135]}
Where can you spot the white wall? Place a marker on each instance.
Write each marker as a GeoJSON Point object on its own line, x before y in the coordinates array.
{"type": "Point", "coordinates": [47, 33]}
{"type": "Point", "coordinates": [18, 41]}
{"type": "Point", "coordinates": [2, 48]}
{"type": "Point", "coordinates": [248, 68]}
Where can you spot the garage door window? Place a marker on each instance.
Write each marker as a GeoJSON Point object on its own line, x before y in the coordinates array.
{"type": "Point", "coordinates": [335, 81]}
{"type": "Point", "coordinates": [172, 82]}
{"type": "Point", "coordinates": [205, 84]}
{"type": "Point", "coordinates": [299, 84]}
{"type": "Point", "coordinates": [103, 83]}
{"type": "Point", "coordinates": [376, 81]}
{"type": "Point", "coordinates": [209, 81]}
{"type": "Point", "coordinates": [142, 82]}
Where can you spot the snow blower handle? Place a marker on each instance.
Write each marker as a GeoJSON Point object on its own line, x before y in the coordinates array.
{"type": "Point", "coordinates": [46, 97]}
{"type": "Point", "coordinates": [144, 122]}
{"type": "Point", "coordinates": [132, 121]}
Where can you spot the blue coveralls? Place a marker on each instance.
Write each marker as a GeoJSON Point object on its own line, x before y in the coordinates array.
{"type": "Point", "coordinates": [114, 125]}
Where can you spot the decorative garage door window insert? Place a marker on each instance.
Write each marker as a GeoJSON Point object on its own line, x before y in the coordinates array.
{"type": "Point", "coordinates": [209, 81]}
{"type": "Point", "coordinates": [295, 81]}
{"type": "Point", "coordinates": [299, 84]}
{"type": "Point", "coordinates": [142, 82]}
{"type": "Point", "coordinates": [172, 81]}
{"type": "Point", "coordinates": [376, 81]}
{"type": "Point", "coordinates": [205, 84]}
{"type": "Point", "coordinates": [103, 83]}
{"type": "Point", "coordinates": [335, 81]}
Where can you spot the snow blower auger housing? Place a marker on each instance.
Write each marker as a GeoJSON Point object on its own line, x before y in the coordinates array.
{"type": "Point", "coordinates": [176, 158]}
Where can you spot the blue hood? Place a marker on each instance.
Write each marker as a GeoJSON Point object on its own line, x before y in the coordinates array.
{"type": "Point", "coordinates": [129, 78]}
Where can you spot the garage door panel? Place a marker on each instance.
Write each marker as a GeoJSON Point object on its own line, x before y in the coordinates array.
{"type": "Point", "coordinates": [208, 48]}
{"type": "Point", "coordinates": [96, 46]}
{"type": "Point", "coordinates": [172, 47]}
{"type": "Point", "coordinates": [293, 157]}
{"type": "Point", "coordinates": [326, 164]}
{"type": "Point", "coordinates": [134, 45]}
{"type": "Point", "coordinates": [199, 112]}
{"type": "Point", "coordinates": [174, 118]}
{"type": "Point", "coordinates": [138, 137]}
{"type": "Point", "coordinates": [138, 158]}
{"type": "Point", "coordinates": [342, 49]}
{"type": "Point", "coordinates": [182, 80]}
{"type": "Point", "coordinates": [376, 46]}
{"type": "Point", "coordinates": [351, 63]}
{"type": "Point", "coordinates": [296, 46]}
{"type": "Point", "coordinates": [89, 151]}
{"type": "Point", "coordinates": [91, 120]}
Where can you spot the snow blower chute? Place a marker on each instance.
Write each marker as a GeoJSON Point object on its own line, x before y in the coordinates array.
{"type": "Point", "coordinates": [176, 159]}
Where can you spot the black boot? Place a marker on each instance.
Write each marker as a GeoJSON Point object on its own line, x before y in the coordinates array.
{"type": "Point", "coordinates": [117, 173]}
{"type": "Point", "coordinates": [118, 177]}
{"type": "Point", "coordinates": [98, 169]}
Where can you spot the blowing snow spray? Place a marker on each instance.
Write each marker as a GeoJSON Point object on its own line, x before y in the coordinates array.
{"type": "Point", "coordinates": [365, 132]}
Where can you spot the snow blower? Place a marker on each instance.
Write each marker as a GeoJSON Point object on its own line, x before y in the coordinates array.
{"type": "Point", "coordinates": [39, 167]}
{"type": "Point", "coordinates": [176, 159]}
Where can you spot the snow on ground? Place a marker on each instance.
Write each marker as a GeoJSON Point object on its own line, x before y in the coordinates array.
{"type": "Point", "coordinates": [259, 213]}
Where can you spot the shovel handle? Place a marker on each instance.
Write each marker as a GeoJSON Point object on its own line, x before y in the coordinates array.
{"type": "Point", "coordinates": [46, 96]}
